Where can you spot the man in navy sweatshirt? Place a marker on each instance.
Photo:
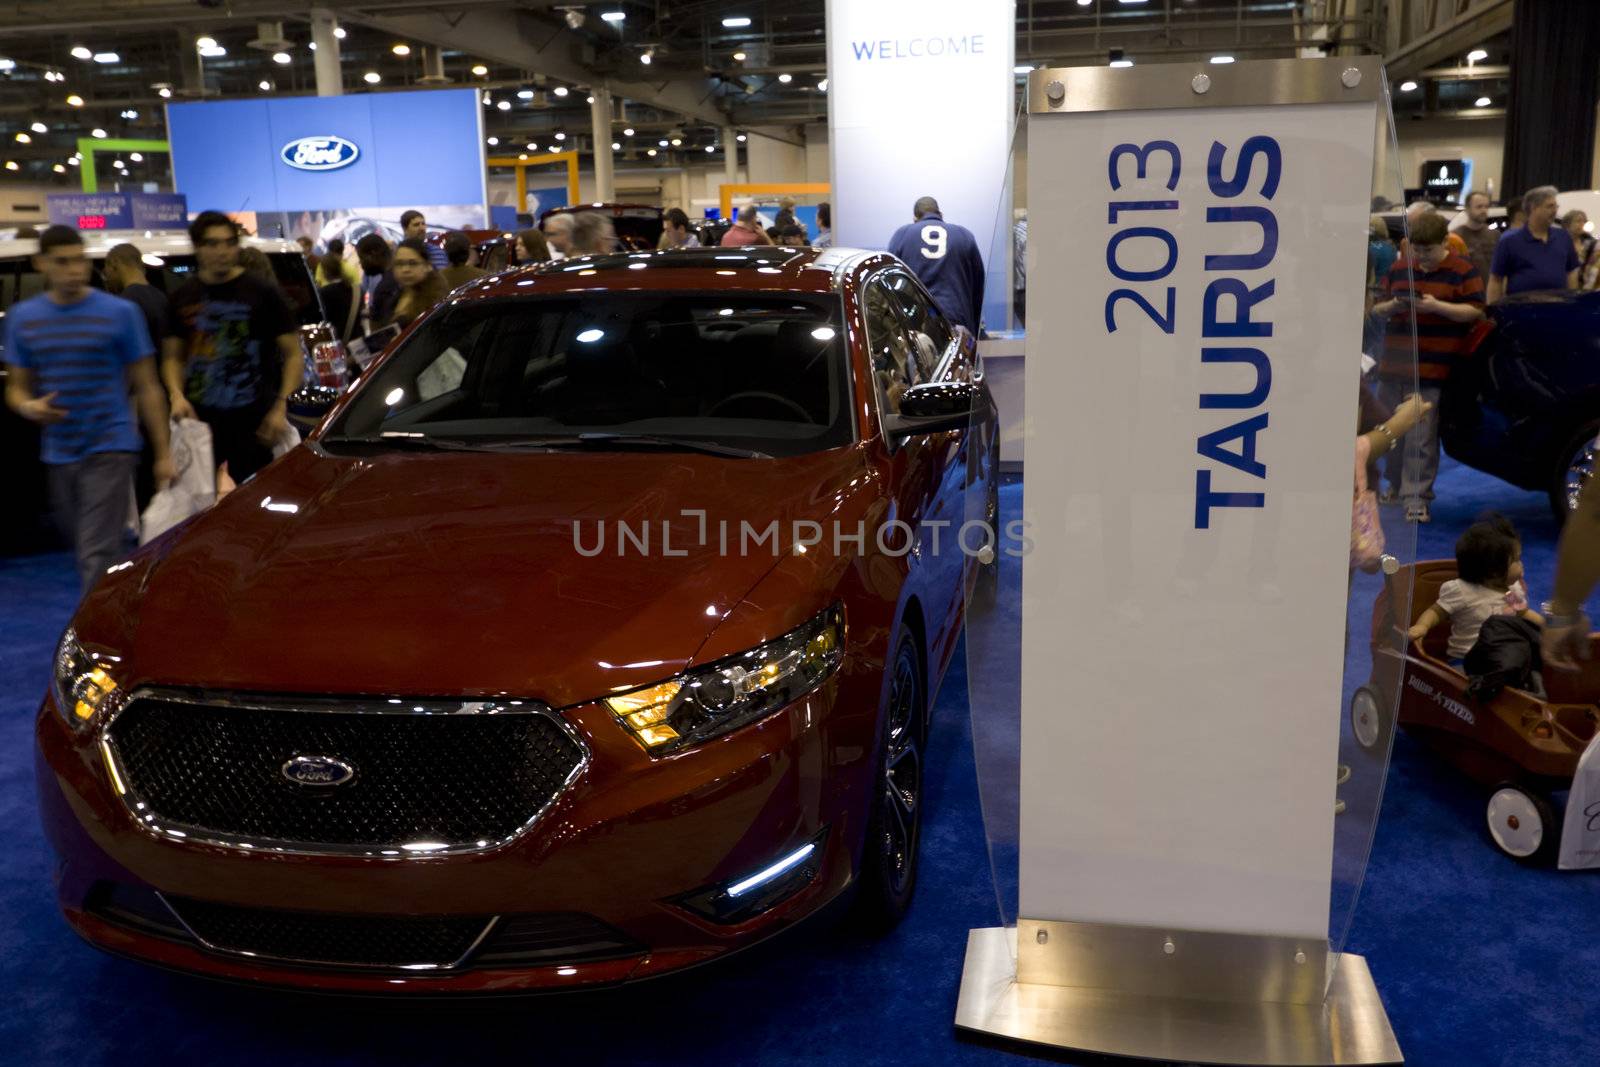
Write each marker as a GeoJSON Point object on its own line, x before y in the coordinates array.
{"type": "Point", "coordinates": [945, 256]}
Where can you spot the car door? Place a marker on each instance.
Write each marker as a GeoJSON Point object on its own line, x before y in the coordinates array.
{"type": "Point", "coordinates": [905, 332]}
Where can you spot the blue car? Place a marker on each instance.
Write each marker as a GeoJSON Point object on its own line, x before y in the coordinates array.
{"type": "Point", "coordinates": [1526, 407]}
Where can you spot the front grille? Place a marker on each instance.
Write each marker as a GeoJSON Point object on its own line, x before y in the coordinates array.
{"type": "Point", "coordinates": [429, 781]}
{"type": "Point", "coordinates": [557, 937]}
{"type": "Point", "coordinates": [336, 940]}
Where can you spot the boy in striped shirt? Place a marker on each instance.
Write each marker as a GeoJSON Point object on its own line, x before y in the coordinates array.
{"type": "Point", "coordinates": [73, 355]}
{"type": "Point", "coordinates": [1443, 293]}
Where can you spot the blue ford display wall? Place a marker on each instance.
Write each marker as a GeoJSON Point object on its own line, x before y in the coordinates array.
{"type": "Point", "coordinates": [334, 166]}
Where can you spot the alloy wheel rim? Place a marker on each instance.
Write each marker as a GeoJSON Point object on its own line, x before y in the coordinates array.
{"type": "Point", "coordinates": [1579, 470]}
{"type": "Point", "coordinates": [1514, 823]}
{"type": "Point", "coordinates": [902, 778]}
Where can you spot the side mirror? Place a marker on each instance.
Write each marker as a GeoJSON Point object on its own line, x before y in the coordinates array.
{"type": "Point", "coordinates": [934, 407]}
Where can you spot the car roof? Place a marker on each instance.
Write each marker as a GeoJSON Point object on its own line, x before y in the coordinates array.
{"type": "Point", "coordinates": [157, 242]}
{"type": "Point", "coordinates": [764, 268]}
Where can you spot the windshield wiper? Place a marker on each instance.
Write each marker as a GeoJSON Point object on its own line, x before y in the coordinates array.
{"type": "Point", "coordinates": [606, 440]}
{"type": "Point", "coordinates": [407, 440]}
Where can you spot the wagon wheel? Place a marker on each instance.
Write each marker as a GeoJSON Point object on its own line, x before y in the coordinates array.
{"type": "Point", "coordinates": [1370, 719]}
{"type": "Point", "coordinates": [1522, 824]}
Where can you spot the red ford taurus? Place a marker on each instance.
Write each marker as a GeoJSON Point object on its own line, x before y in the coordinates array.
{"type": "Point", "coordinates": [592, 635]}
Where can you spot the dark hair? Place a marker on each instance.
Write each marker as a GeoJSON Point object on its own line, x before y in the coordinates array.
{"type": "Point", "coordinates": [534, 244]}
{"type": "Point", "coordinates": [772, 232]}
{"type": "Point", "coordinates": [457, 248]}
{"type": "Point", "coordinates": [336, 245]}
{"type": "Point", "coordinates": [1476, 192]}
{"type": "Point", "coordinates": [55, 237]}
{"type": "Point", "coordinates": [125, 255]}
{"type": "Point", "coordinates": [925, 205]}
{"type": "Point", "coordinates": [675, 217]}
{"type": "Point", "coordinates": [255, 262]}
{"type": "Point", "coordinates": [1430, 229]}
{"type": "Point", "coordinates": [825, 214]}
{"type": "Point", "coordinates": [407, 216]}
{"type": "Point", "coordinates": [1485, 552]}
{"type": "Point", "coordinates": [332, 267]}
{"type": "Point", "coordinates": [205, 221]}
{"type": "Point", "coordinates": [790, 231]}
{"type": "Point", "coordinates": [373, 249]}
{"type": "Point", "coordinates": [416, 245]}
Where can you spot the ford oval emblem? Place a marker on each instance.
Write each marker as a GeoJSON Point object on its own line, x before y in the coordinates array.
{"type": "Point", "coordinates": [318, 771]}
{"type": "Point", "coordinates": [320, 153]}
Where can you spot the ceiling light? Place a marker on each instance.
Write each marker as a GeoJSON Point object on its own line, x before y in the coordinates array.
{"type": "Point", "coordinates": [676, 141]}
{"type": "Point", "coordinates": [504, 105]}
{"type": "Point", "coordinates": [737, 22]}
{"type": "Point", "coordinates": [650, 152]}
{"type": "Point", "coordinates": [524, 94]}
{"type": "Point", "coordinates": [1222, 59]}
{"type": "Point", "coordinates": [574, 19]}
{"type": "Point", "coordinates": [1477, 54]}
{"type": "Point", "coordinates": [560, 136]}
{"type": "Point", "coordinates": [164, 93]}
{"type": "Point", "coordinates": [214, 51]}
{"type": "Point", "coordinates": [616, 147]}
{"type": "Point", "coordinates": [137, 157]}
{"type": "Point", "coordinates": [522, 155]}
{"type": "Point", "coordinates": [72, 161]}
{"type": "Point", "coordinates": [479, 69]}
{"type": "Point", "coordinates": [11, 164]}
{"type": "Point", "coordinates": [338, 31]}
{"type": "Point", "coordinates": [59, 168]}
{"type": "Point", "coordinates": [75, 100]}
{"type": "Point", "coordinates": [739, 57]}
{"type": "Point", "coordinates": [202, 43]}
{"type": "Point", "coordinates": [1122, 62]}
{"type": "Point", "coordinates": [644, 57]}
{"type": "Point", "coordinates": [98, 133]}
{"type": "Point", "coordinates": [786, 77]}
{"type": "Point", "coordinates": [628, 132]}
{"type": "Point", "coordinates": [1022, 69]}
{"type": "Point", "coordinates": [23, 138]}
{"type": "Point", "coordinates": [401, 50]}
{"type": "Point", "coordinates": [283, 59]}
{"type": "Point", "coordinates": [560, 90]}
{"type": "Point", "coordinates": [81, 52]}
{"type": "Point", "coordinates": [663, 144]}
{"type": "Point", "coordinates": [488, 101]}
{"type": "Point", "coordinates": [39, 127]}
{"type": "Point", "coordinates": [264, 85]}
{"type": "Point", "coordinates": [532, 147]}
{"type": "Point", "coordinates": [740, 138]}
{"type": "Point", "coordinates": [107, 57]}
{"type": "Point", "coordinates": [494, 141]}
{"type": "Point", "coordinates": [1085, 3]}
{"type": "Point", "coordinates": [372, 77]}
{"type": "Point", "coordinates": [822, 86]}
{"type": "Point", "coordinates": [312, 45]}
{"type": "Point", "coordinates": [591, 99]}
{"type": "Point", "coordinates": [1482, 101]}
{"type": "Point", "coordinates": [7, 65]}
{"type": "Point", "coordinates": [711, 148]}
{"type": "Point", "coordinates": [553, 149]}
{"type": "Point", "coordinates": [613, 16]}
{"type": "Point", "coordinates": [130, 114]}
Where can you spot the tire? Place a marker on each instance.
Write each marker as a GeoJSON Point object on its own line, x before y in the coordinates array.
{"type": "Point", "coordinates": [1577, 464]}
{"type": "Point", "coordinates": [1522, 824]}
{"type": "Point", "coordinates": [1371, 721]}
{"type": "Point", "coordinates": [888, 875]}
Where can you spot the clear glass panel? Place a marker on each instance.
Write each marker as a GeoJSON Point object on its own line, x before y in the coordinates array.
{"type": "Point", "coordinates": [995, 607]}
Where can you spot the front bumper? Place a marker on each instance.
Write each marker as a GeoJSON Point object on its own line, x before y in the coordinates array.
{"type": "Point", "coordinates": [632, 845]}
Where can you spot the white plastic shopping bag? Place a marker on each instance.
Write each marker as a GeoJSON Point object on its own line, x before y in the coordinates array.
{"type": "Point", "coordinates": [1580, 836]}
{"type": "Point", "coordinates": [289, 438]}
{"type": "Point", "coordinates": [194, 488]}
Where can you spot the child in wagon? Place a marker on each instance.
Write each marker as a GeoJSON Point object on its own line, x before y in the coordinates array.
{"type": "Point", "coordinates": [1488, 582]}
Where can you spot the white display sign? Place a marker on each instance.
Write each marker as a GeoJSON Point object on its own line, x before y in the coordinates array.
{"type": "Point", "coordinates": [921, 102]}
{"type": "Point", "coordinates": [1194, 338]}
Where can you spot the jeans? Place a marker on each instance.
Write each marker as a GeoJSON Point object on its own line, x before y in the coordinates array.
{"type": "Point", "coordinates": [233, 439]}
{"type": "Point", "coordinates": [1414, 462]}
{"type": "Point", "coordinates": [91, 500]}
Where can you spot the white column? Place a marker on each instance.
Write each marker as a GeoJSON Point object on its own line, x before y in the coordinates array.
{"type": "Point", "coordinates": [605, 188]}
{"type": "Point", "coordinates": [327, 52]}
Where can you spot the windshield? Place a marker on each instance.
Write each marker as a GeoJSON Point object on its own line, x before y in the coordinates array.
{"type": "Point", "coordinates": [762, 374]}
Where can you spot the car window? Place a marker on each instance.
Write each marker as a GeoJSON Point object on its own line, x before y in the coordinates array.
{"type": "Point", "coordinates": [929, 330]}
{"type": "Point", "coordinates": [763, 373]}
{"type": "Point", "coordinates": [894, 368]}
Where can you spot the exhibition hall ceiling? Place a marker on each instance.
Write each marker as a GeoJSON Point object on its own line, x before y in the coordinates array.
{"type": "Point", "coordinates": [681, 72]}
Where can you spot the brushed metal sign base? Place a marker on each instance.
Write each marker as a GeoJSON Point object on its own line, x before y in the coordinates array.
{"type": "Point", "coordinates": [1348, 1027]}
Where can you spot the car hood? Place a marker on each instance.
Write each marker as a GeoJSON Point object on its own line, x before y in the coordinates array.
{"type": "Point", "coordinates": [459, 573]}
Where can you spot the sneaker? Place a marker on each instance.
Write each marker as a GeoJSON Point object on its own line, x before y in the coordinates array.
{"type": "Point", "coordinates": [1388, 496]}
{"type": "Point", "coordinates": [1338, 807]}
{"type": "Point", "coordinates": [1418, 513]}
{"type": "Point", "coordinates": [1343, 774]}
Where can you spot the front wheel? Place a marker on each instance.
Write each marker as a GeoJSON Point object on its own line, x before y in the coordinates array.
{"type": "Point", "coordinates": [1522, 824]}
{"type": "Point", "coordinates": [1577, 467]}
{"type": "Point", "coordinates": [894, 825]}
{"type": "Point", "coordinates": [1370, 721]}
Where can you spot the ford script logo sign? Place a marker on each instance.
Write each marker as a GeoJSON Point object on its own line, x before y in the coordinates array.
{"type": "Point", "coordinates": [320, 153]}
{"type": "Point", "coordinates": [318, 771]}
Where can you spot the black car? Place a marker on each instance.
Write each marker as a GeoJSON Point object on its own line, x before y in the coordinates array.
{"type": "Point", "coordinates": [1526, 405]}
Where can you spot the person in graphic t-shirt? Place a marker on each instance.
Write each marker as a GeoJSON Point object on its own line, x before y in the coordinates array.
{"type": "Point", "coordinates": [946, 257]}
{"type": "Point", "coordinates": [232, 355]}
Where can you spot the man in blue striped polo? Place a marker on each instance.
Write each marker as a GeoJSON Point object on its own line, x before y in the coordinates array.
{"type": "Point", "coordinates": [73, 355]}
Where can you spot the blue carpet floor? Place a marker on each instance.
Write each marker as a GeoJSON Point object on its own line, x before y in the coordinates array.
{"type": "Point", "coordinates": [1479, 961]}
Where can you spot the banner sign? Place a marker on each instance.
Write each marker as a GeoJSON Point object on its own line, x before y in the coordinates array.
{"type": "Point", "coordinates": [1193, 348]}
{"type": "Point", "coordinates": [332, 153]}
{"type": "Point", "coordinates": [1447, 179]}
{"type": "Point", "coordinates": [921, 102]}
{"type": "Point", "coordinates": [118, 211]}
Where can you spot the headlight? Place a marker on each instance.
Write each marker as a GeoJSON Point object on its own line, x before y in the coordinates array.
{"type": "Point", "coordinates": [85, 688]}
{"type": "Point", "coordinates": [703, 703]}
